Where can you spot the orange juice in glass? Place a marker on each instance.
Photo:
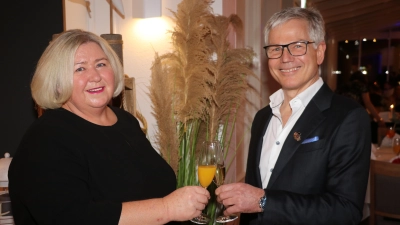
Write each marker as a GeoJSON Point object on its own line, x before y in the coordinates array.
{"type": "Point", "coordinates": [206, 166]}
{"type": "Point", "coordinates": [206, 174]}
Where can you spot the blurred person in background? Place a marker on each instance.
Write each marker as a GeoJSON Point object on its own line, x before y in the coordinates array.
{"type": "Point", "coordinates": [388, 97]}
{"type": "Point", "coordinates": [357, 89]}
{"type": "Point", "coordinates": [397, 98]}
{"type": "Point", "coordinates": [375, 94]}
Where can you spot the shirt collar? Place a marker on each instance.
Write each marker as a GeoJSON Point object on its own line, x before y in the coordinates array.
{"type": "Point", "coordinates": [305, 97]}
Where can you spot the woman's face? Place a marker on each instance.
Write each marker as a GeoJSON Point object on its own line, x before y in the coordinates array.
{"type": "Point", "coordinates": [93, 79]}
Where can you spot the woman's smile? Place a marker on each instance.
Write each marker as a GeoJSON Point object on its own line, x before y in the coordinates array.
{"type": "Point", "coordinates": [96, 90]}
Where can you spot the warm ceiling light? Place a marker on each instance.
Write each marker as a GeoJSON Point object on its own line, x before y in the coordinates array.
{"type": "Point", "coordinates": [150, 29]}
{"type": "Point", "coordinates": [364, 39]}
{"type": "Point", "coordinates": [346, 41]}
{"type": "Point", "coordinates": [374, 40]}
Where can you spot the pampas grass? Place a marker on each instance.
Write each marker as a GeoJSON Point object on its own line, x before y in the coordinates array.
{"type": "Point", "coordinates": [197, 88]}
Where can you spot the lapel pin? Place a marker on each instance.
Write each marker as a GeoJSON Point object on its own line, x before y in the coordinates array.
{"type": "Point", "coordinates": [297, 136]}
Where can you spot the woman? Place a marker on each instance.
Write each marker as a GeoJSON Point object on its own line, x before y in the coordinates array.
{"type": "Point", "coordinates": [83, 161]}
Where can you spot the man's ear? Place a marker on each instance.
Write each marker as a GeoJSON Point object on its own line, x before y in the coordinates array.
{"type": "Point", "coordinates": [321, 52]}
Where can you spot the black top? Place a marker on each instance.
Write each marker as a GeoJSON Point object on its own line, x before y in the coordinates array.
{"type": "Point", "coordinates": [70, 171]}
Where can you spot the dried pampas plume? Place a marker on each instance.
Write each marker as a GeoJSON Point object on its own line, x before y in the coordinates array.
{"type": "Point", "coordinates": [200, 83]}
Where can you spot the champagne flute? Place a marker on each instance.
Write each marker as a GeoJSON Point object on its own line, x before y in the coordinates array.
{"type": "Point", "coordinates": [206, 166]}
{"type": "Point", "coordinates": [396, 146]}
{"type": "Point", "coordinates": [219, 179]}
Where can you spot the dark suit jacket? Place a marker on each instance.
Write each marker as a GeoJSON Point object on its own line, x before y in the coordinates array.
{"type": "Point", "coordinates": [321, 182]}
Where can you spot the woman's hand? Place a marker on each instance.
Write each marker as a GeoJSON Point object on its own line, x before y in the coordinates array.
{"type": "Point", "coordinates": [186, 203]}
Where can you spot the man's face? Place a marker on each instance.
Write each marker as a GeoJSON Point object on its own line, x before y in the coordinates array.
{"type": "Point", "coordinates": [295, 73]}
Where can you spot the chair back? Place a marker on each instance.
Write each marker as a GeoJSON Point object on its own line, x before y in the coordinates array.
{"type": "Point", "coordinates": [384, 192]}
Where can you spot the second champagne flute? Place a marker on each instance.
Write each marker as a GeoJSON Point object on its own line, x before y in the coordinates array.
{"type": "Point", "coordinates": [219, 179]}
{"type": "Point", "coordinates": [206, 166]}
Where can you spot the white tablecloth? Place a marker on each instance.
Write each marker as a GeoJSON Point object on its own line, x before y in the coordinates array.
{"type": "Point", "coordinates": [383, 153]}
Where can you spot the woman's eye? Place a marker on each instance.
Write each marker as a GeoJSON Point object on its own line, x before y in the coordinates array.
{"type": "Point", "coordinates": [101, 64]}
{"type": "Point", "coordinates": [79, 69]}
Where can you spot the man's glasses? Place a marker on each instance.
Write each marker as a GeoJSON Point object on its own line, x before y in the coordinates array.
{"type": "Point", "coordinates": [297, 48]}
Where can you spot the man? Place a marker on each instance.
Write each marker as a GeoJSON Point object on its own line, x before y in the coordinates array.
{"type": "Point", "coordinates": [309, 151]}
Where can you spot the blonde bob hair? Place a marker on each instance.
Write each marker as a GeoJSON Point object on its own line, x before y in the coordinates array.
{"type": "Point", "coordinates": [52, 82]}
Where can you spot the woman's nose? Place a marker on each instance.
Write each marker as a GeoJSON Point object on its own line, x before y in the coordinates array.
{"type": "Point", "coordinates": [95, 75]}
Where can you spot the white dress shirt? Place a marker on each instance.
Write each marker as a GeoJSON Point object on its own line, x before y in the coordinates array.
{"type": "Point", "coordinates": [276, 134]}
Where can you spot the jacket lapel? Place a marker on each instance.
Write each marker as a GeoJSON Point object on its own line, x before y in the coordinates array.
{"type": "Point", "coordinates": [308, 121]}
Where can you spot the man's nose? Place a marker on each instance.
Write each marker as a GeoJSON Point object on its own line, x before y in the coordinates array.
{"type": "Point", "coordinates": [286, 54]}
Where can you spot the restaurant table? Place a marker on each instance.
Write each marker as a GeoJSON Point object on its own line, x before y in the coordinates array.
{"type": "Point", "coordinates": [6, 217]}
{"type": "Point", "coordinates": [385, 154]}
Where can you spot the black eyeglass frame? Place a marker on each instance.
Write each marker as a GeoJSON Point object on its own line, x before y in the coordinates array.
{"type": "Point", "coordinates": [286, 46]}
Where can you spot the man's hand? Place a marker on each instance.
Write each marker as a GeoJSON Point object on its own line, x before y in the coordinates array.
{"type": "Point", "coordinates": [239, 198]}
